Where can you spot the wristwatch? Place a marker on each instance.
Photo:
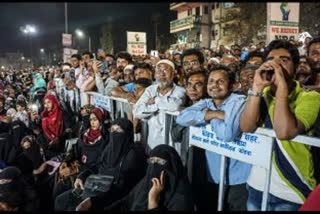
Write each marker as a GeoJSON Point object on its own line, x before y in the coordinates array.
{"type": "Point", "coordinates": [255, 94]}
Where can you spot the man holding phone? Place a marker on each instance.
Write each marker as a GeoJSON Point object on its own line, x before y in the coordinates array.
{"type": "Point", "coordinates": [290, 111]}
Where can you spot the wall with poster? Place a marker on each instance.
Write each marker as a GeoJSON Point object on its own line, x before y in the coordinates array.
{"type": "Point", "coordinates": [137, 43]}
{"type": "Point", "coordinates": [282, 21]}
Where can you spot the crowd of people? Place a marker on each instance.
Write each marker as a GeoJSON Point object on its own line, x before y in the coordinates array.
{"type": "Point", "coordinates": [111, 167]}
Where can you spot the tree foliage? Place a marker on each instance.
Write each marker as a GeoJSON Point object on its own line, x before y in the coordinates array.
{"type": "Point", "coordinates": [309, 18]}
{"type": "Point", "coordinates": [106, 40]}
{"type": "Point", "coordinates": [248, 20]}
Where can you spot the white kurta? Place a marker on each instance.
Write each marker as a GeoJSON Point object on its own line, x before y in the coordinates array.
{"type": "Point", "coordinates": [171, 101]}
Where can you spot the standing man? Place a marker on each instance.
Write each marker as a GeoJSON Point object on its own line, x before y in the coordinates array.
{"type": "Point", "coordinates": [290, 111]}
{"type": "Point", "coordinates": [163, 96]}
{"type": "Point", "coordinates": [222, 111]}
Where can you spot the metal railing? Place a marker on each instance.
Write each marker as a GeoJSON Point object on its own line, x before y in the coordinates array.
{"type": "Point", "coordinates": [262, 148]}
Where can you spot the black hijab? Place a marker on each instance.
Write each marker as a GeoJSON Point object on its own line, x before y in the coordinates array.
{"type": "Point", "coordinates": [8, 151]}
{"type": "Point", "coordinates": [33, 152]}
{"type": "Point", "coordinates": [16, 192]}
{"type": "Point", "coordinates": [138, 199]}
{"type": "Point", "coordinates": [11, 186]}
{"type": "Point", "coordinates": [119, 144]}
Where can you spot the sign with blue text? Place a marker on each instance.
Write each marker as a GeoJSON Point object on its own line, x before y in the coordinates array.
{"type": "Point", "coordinates": [250, 148]}
{"type": "Point", "coordinates": [102, 101]}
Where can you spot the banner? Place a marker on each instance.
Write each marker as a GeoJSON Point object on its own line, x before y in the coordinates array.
{"type": "Point", "coordinates": [66, 40]}
{"type": "Point", "coordinates": [67, 53]}
{"type": "Point", "coordinates": [102, 101]}
{"type": "Point", "coordinates": [137, 43]}
{"type": "Point", "coordinates": [282, 21]}
{"type": "Point", "coordinates": [250, 148]}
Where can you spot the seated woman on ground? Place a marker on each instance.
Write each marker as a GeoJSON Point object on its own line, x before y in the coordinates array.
{"type": "Point", "coordinates": [164, 187]}
{"type": "Point", "coordinates": [122, 159]}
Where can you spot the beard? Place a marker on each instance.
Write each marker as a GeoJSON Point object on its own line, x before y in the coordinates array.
{"type": "Point", "coordinates": [165, 84]}
{"type": "Point", "coordinates": [315, 66]}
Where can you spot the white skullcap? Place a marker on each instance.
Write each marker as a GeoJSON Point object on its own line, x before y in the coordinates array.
{"type": "Point", "coordinates": [215, 59]}
{"type": "Point", "coordinates": [165, 61]}
{"type": "Point", "coordinates": [130, 66]}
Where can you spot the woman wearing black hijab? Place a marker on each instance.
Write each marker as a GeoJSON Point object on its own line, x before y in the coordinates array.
{"type": "Point", "coordinates": [8, 151]}
{"type": "Point", "coordinates": [29, 159]}
{"type": "Point", "coordinates": [121, 149]}
{"type": "Point", "coordinates": [15, 193]}
{"type": "Point", "coordinates": [164, 187]}
{"type": "Point", "coordinates": [86, 151]}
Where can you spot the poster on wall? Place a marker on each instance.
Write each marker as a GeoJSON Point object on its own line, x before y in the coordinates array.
{"type": "Point", "coordinates": [137, 43]}
{"type": "Point", "coordinates": [282, 21]}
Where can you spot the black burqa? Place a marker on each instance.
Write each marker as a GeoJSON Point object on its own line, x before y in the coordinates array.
{"type": "Point", "coordinates": [16, 192]}
{"type": "Point", "coordinates": [30, 158]}
{"type": "Point", "coordinates": [176, 196]}
{"type": "Point", "coordinates": [8, 151]}
{"type": "Point", "coordinates": [118, 147]}
{"type": "Point", "coordinates": [121, 148]}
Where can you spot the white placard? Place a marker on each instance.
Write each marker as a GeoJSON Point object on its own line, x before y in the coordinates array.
{"type": "Point", "coordinates": [137, 43]}
{"type": "Point", "coordinates": [282, 20]}
{"type": "Point", "coordinates": [154, 53]}
{"type": "Point", "coordinates": [251, 148]}
{"type": "Point", "coordinates": [67, 53]}
{"type": "Point", "coordinates": [66, 39]}
{"type": "Point", "coordinates": [102, 101]}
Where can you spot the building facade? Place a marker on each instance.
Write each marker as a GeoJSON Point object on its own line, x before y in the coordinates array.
{"type": "Point", "coordinates": [206, 24]}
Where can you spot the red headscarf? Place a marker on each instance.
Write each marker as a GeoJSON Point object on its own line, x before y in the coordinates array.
{"type": "Point", "coordinates": [91, 136]}
{"type": "Point", "coordinates": [52, 121]}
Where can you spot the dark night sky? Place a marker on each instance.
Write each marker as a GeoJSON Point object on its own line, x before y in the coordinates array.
{"type": "Point", "coordinates": [49, 20]}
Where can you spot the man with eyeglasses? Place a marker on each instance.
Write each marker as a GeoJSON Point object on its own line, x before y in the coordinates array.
{"type": "Point", "coordinates": [192, 60]}
{"type": "Point", "coordinates": [163, 96]}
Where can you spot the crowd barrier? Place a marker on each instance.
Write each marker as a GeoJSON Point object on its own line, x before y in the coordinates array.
{"type": "Point", "coordinates": [253, 148]}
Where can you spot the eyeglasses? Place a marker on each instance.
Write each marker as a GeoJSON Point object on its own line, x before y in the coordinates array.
{"type": "Point", "coordinates": [159, 161]}
{"type": "Point", "coordinates": [191, 63]}
{"type": "Point", "coordinates": [159, 70]}
{"type": "Point", "coordinates": [196, 85]}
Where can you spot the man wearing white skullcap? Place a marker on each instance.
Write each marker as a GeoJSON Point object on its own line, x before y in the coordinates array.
{"type": "Point", "coordinates": [163, 96]}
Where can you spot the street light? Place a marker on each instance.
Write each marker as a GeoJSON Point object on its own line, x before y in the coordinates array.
{"type": "Point", "coordinates": [29, 30]}
{"type": "Point", "coordinates": [80, 34]}
{"type": "Point", "coordinates": [22, 58]}
{"type": "Point", "coordinates": [42, 50]}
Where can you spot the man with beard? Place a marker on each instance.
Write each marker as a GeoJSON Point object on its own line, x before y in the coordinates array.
{"type": "Point", "coordinates": [303, 71]}
{"type": "Point", "coordinates": [164, 96]}
{"type": "Point", "coordinates": [313, 54]}
{"type": "Point", "coordinates": [123, 59]}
